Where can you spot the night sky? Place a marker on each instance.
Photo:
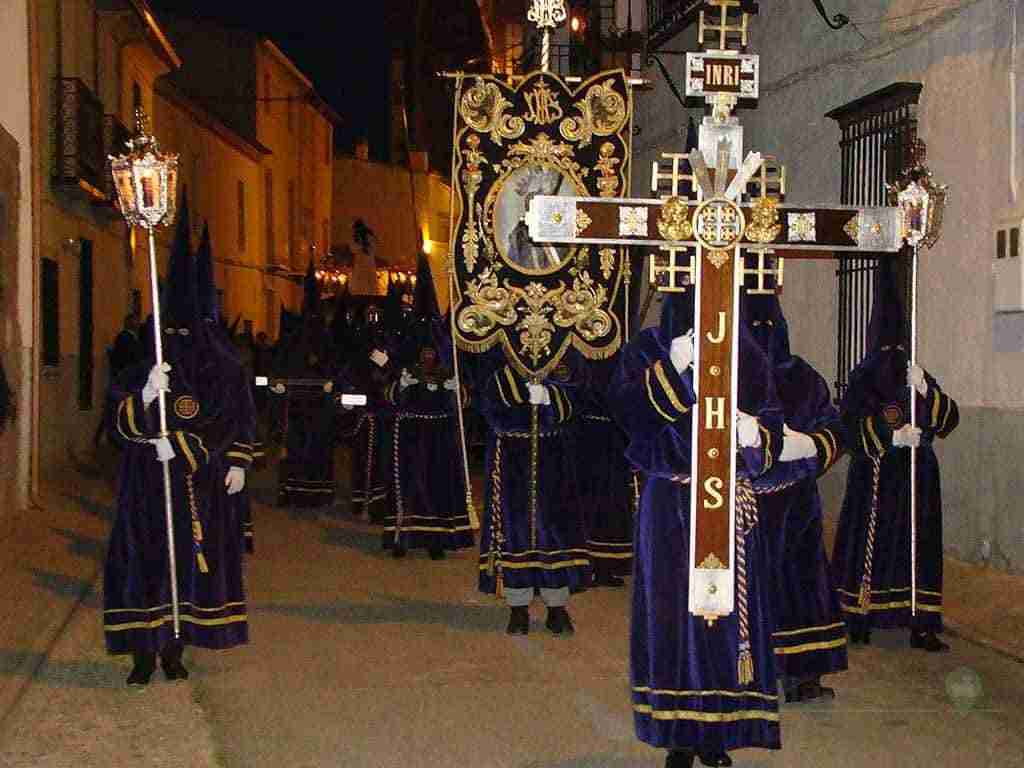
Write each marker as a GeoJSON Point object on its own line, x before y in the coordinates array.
{"type": "Point", "coordinates": [345, 52]}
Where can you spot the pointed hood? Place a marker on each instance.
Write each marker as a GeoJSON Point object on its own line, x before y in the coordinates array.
{"type": "Point", "coordinates": [880, 378]}
{"type": "Point", "coordinates": [208, 304]}
{"type": "Point", "coordinates": [888, 322]}
{"type": "Point", "coordinates": [340, 329]}
{"type": "Point", "coordinates": [180, 300]}
{"type": "Point", "coordinates": [677, 313]}
{"type": "Point", "coordinates": [422, 331]}
{"type": "Point", "coordinates": [310, 293]}
{"type": "Point", "coordinates": [756, 387]}
{"type": "Point", "coordinates": [425, 302]}
{"type": "Point", "coordinates": [288, 322]}
{"type": "Point", "coordinates": [762, 314]}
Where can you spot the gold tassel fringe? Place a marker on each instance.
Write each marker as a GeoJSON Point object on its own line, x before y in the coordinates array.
{"type": "Point", "coordinates": [745, 668]}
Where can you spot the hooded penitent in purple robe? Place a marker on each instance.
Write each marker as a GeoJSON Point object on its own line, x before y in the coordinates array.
{"type": "Point", "coordinates": [427, 505]}
{"type": "Point", "coordinates": [370, 434]}
{"type": "Point", "coordinates": [609, 486]}
{"type": "Point", "coordinates": [531, 540]}
{"type": "Point", "coordinates": [207, 418]}
{"type": "Point", "coordinates": [248, 438]}
{"type": "Point", "coordinates": [306, 472]}
{"type": "Point", "coordinates": [687, 690]}
{"type": "Point", "coordinates": [809, 637]}
{"type": "Point", "coordinates": [872, 556]}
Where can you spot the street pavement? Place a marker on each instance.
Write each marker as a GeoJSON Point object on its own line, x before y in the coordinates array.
{"type": "Point", "coordinates": [359, 660]}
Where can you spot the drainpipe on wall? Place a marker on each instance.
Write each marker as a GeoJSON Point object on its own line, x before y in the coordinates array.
{"type": "Point", "coordinates": [28, 439]}
{"type": "Point", "coordinates": [1013, 102]}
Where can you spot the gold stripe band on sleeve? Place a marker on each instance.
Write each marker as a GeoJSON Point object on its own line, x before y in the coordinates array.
{"type": "Point", "coordinates": [670, 393]}
{"type": "Point", "coordinates": [650, 396]}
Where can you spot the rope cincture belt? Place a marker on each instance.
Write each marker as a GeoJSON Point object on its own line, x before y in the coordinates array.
{"type": "Point", "coordinates": [869, 549]}
{"type": "Point", "coordinates": [197, 526]}
{"type": "Point", "coordinates": [746, 519]}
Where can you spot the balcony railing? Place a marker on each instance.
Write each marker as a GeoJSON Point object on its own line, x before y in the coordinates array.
{"type": "Point", "coordinates": [667, 18]}
{"type": "Point", "coordinates": [79, 161]}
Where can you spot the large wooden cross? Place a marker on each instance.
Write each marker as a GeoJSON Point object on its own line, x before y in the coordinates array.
{"type": "Point", "coordinates": [734, 209]}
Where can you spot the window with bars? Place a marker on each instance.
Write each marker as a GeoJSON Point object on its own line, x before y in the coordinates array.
{"type": "Point", "coordinates": [877, 134]}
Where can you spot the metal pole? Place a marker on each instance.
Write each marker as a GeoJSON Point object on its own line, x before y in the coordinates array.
{"type": "Point", "coordinates": [474, 520]}
{"type": "Point", "coordinates": [162, 405]}
{"type": "Point", "coordinates": [913, 423]}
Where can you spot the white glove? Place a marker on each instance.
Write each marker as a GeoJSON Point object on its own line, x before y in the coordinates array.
{"type": "Point", "coordinates": [379, 358]}
{"type": "Point", "coordinates": [432, 387]}
{"type": "Point", "coordinates": [907, 437]}
{"type": "Point", "coordinates": [164, 451]}
{"type": "Point", "coordinates": [158, 380]}
{"type": "Point", "coordinates": [235, 480]}
{"type": "Point", "coordinates": [539, 394]}
{"type": "Point", "coordinates": [915, 379]}
{"type": "Point", "coordinates": [340, 400]}
{"type": "Point", "coordinates": [451, 384]}
{"type": "Point", "coordinates": [796, 445]}
{"type": "Point", "coordinates": [748, 433]}
{"type": "Point", "coordinates": [681, 351]}
{"type": "Point", "coordinates": [329, 387]}
{"type": "Point", "coordinates": [407, 380]}
{"type": "Point", "coordinates": [278, 389]}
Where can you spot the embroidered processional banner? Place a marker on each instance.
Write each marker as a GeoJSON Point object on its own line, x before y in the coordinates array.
{"type": "Point", "coordinates": [513, 143]}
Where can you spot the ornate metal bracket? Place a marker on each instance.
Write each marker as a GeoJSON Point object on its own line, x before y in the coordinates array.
{"type": "Point", "coordinates": [836, 22]}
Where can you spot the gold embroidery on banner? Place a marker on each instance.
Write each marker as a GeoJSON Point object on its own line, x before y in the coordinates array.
{"type": "Point", "coordinates": [472, 178]}
{"type": "Point", "coordinates": [483, 108]}
{"type": "Point", "coordinates": [606, 164]}
{"type": "Point", "coordinates": [607, 262]}
{"type": "Point", "coordinates": [543, 105]}
{"type": "Point", "coordinates": [602, 112]}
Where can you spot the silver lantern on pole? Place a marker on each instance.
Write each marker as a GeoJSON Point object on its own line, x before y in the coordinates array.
{"type": "Point", "coordinates": [146, 182]}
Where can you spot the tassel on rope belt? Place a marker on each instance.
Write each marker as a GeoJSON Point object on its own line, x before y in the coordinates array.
{"type": "Point", "coordinates": [197, 526]}
{"type": "Point", "coordinates": [746, 519]}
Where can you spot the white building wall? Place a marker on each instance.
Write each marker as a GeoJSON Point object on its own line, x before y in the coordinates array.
{"type": "Point", "coordinates": [961, 53]}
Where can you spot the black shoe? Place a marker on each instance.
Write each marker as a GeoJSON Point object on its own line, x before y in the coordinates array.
{"type": "Point", "coordinates": [608, 580]}
{"type": "Point", "coordinates": [145, 664]}
{"type": "Point", "coordinates": [927, 641]}
{"type": "Point", "coordinates": [679, 758]}
{"type": "Point", "coordinates": [437, 553]}
{"type": "Point", "coordinates": [559, 623]}
{"type": "Point", "coordinates": [170, 662]}
{"type": "Point", "coordinates": [398, 552]}
{"type": "Point", "coordinates": [809, 690]}
{"type": "Point", "coordinates": [519, 620]}
{"type": "Point", "coordinates": [718, 759]}
{"type": "Point", "coordinates": [860, 636]}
